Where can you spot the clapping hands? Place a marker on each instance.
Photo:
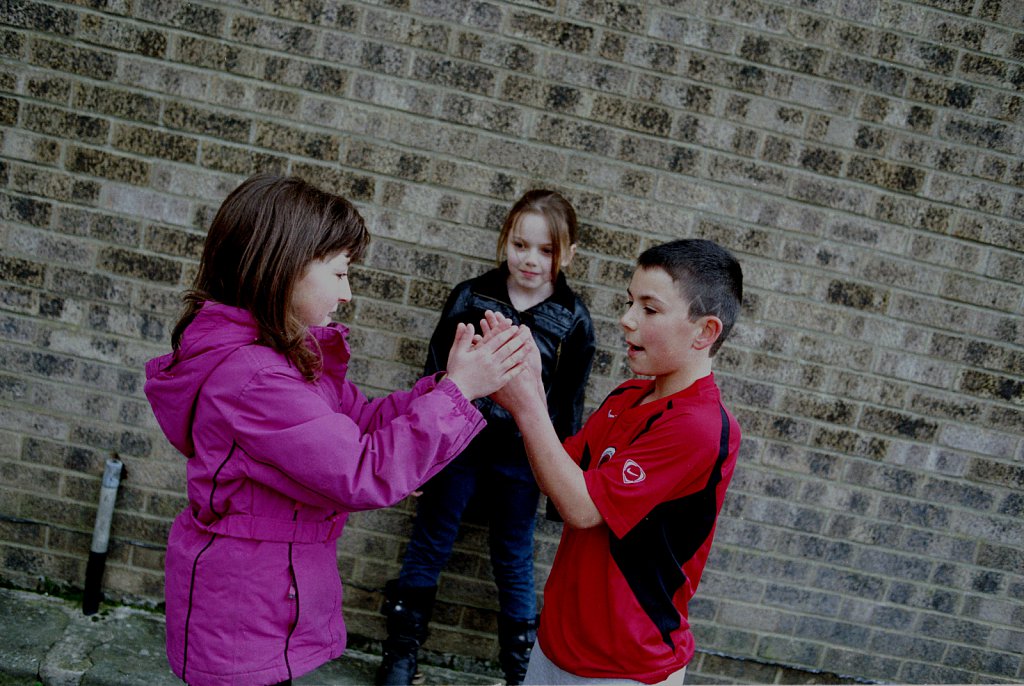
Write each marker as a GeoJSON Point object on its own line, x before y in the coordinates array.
{"type": "Point", "coordinates": [525, 387]}
{"type": "Point", "coordinates": [481, 364]}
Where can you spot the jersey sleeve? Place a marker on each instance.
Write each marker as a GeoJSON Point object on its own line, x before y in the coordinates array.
{"type": "Point", "coordinates": [671, 459]}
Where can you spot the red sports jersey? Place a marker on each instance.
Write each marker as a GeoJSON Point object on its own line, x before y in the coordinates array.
{"type": "Point", "coordinates": [615, 604]}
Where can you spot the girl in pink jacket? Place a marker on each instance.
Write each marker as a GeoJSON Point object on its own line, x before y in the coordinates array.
{"type": "Point", "coordinates": [280, 445]}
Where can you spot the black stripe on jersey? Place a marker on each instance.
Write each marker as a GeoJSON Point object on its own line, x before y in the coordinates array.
{"type": "Point", "coordinates": [651, 556]}
{"type": "Point", "coordinates": [585, 458]}
{"type": "Point", "coordinates": [618, 391]}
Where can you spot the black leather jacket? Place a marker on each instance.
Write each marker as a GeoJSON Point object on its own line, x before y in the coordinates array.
{"type": "Point", "coordinates": [563, 332]}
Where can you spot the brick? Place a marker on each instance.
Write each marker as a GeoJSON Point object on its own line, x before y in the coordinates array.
{"type": "Point", "coordinates": [207, 122]}
{"type": "Point", "coordinates": [662, 155]}
{"type": "Point", "coordinates": [551, 97]}
{"type": "Point", "coordinates": [137, 265]}
{"type": "Point", "coordinates": [562, 35]}
{"type": "Point", "coordinates": [487, 50]}
{"type": "Point", "coordinates": [243, 96]}
{"type": "Point", "coordinates": [174, 242]}
{"type": "Point", "coordinates": [273, 35]}
{"type": "Point", "coordinates": [315, 77]}
{"type": "Point", "coordinates": [12, 44]}
{"type": "Point", "coordinates": [406, 30]}
{"type": "Point", "coordinates": [184, 15]}
{"type": "Point", "coordinates": [118, 34]}
{"type": "Point", "coordinates": [57, 122]}
{"type": "Point", "coordinates": [408, 98]}
{"type": "Point", "coordinates": [73, 59]}
{"type": "Point", "coordinates": [239, 160]}
{"type": "Point", "coordinates": [857, 296]}
{"type": "Point", "coordinates": [578, 72]}
{"type": "Point", "coordinates": [53, 89]}
{"type": "Point", "coordinates": [992, 136]}
{"type": "Point", "coordinates": [53, 248]}
{"type": "Point", "coordinates": [788, 55]}
{"type": "Point", "coordinates": [211, 54]}
{"type": "Point", "coordinates": [451, 74]}
{"type": "Point", "coordinates": [388, 161]}
{"type": "Point", "coordinates": [114, 167]}
{"type": "Point", "coordinates": [35, 181]}
{"type": "Point", "coordinates": [632, 115]}
{"type": "Point", "coordinates": [116, 102]}
{"type": "Point", "coordinates": [34, 15]}
{"type": "Point", "coordinates": [897, 424]}
{"type": "Point", "coordinates": [144, 325]}
{"type": "Point", "coordinates": [157, 144]}
{"type": "Point", "coordinates": [937, 405]}
{"type": "Point", "coordinates": [486, 116]}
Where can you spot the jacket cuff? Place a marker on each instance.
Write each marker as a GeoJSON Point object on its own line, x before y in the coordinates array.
{"type": "Point", "coordinates": [442, 384]}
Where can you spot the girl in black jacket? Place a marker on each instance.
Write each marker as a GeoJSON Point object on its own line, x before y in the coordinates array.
{"type": "Point", "coordinates": [537, 241]}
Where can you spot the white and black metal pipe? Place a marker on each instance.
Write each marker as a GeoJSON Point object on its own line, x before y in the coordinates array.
{"type": "Point", "coordinates": [101, 537]}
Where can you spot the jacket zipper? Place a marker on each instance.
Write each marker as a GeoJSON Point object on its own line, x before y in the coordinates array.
{"type": "Point", "coordinates": [293, 593]}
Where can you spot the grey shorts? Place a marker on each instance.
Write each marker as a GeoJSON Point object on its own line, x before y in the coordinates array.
{"type": "Point", "coordinates": [544, 672]}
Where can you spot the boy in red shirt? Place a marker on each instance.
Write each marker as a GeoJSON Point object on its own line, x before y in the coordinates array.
{"type": "Point", "coordinates": [641, 485]}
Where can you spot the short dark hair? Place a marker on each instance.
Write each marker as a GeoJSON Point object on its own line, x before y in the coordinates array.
{"type": "Point", "coordinates": [262, 238]}
{"type": "Point", "coordinates": [708, 276]}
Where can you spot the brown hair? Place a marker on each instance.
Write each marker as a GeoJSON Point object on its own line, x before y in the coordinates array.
{"type": "Point", "coordinates": [557, 212]}
{"type": "Point", "coordinates": [261, 240]}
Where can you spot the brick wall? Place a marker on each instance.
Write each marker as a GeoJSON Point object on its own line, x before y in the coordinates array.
{"type": "Point", "coordinates": [862, 157]}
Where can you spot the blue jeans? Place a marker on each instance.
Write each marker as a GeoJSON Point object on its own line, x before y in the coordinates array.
{"type": "Point", "coordinates": [510, 501]}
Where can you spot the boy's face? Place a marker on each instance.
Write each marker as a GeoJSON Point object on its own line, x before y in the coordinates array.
{"type": "Point", "coordinates": [659, 334]}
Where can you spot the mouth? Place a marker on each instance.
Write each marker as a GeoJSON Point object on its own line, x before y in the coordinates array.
{"type": "Point", "coordinates": [633, 349]}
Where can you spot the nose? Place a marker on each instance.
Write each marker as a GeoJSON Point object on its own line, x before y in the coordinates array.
{"type": "Point", "coordinates": [627, 321]}
{"type": "Point", "coordinates": [345, 292]}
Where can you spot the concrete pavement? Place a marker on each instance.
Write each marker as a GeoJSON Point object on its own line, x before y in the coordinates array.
{"type": "Point", "coordinates": [47, 640]}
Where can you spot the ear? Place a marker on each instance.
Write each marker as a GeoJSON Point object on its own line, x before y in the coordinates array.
{"type": "Point", "coordinates": [711, 329]}
{"type": "Point", "coordinates": [567, 257]}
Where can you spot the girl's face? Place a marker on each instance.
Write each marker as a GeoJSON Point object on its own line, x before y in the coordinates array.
{"type": "Point", "coordinates": [324, 284]}
{"type": "Point", "coordinates": [529, 253]}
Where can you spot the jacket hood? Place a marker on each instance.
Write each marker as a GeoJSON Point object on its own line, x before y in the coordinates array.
{"type": "Point", "coordinates": [174, 380]}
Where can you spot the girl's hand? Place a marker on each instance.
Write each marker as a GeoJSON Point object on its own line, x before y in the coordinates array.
{"type": "Point", "coordinates": [481, 368]}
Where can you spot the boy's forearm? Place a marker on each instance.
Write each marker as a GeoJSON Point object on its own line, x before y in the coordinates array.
{"type": "Point", "coordinates": [558, 476]}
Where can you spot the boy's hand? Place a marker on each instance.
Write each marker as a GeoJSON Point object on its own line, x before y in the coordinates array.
{"type": "Point", "coordinates": [525, 389]}
{"type": "Point", "coordinates": [480, 366]}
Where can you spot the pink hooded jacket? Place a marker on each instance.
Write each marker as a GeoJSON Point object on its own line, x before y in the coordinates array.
{"type": "Point", "coordinates": [275, 465]}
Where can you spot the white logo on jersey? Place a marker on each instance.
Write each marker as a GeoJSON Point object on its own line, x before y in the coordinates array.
{"type": "Point", "coordinates": [632, 473]}
{"type": "Point", "coordinates": [611, 416]}
{"type": "Point", "coordinates": [608, 454]}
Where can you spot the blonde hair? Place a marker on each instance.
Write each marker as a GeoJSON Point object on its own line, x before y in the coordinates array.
{"type": "Point", "coordinates": [559, 215]}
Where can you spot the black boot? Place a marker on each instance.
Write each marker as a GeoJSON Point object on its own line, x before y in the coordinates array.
{"type": "Point", "coordinates": [408, 611]}
{"type": "Point", "coordinates": [515, 641]}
